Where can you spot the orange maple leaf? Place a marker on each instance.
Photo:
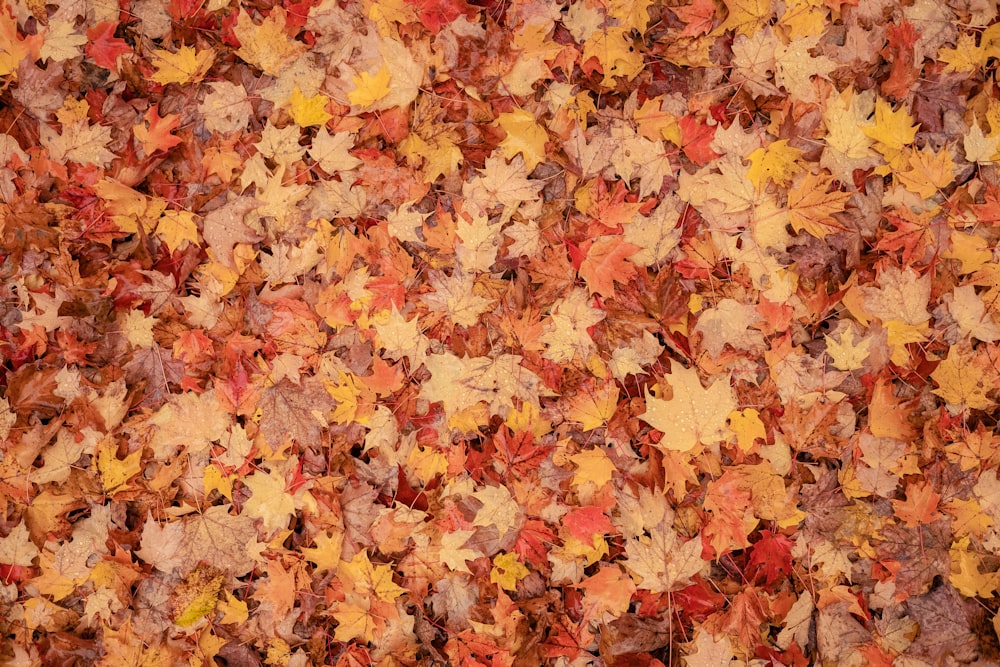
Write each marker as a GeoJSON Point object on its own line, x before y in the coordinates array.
{"type": "Point", "coordinates": [156, 136]}
{"type": "Point", "coordinates": [920, 506]}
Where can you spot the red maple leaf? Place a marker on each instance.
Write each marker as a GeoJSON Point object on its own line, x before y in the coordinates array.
{"type": "Point", "coordinates": [771, 558]}
{"type": "Point", "coordinates": [435, 14]}
{"type": "Point", "coordinates": [533, 542]}
{"type": "Point", "coordinates": [103, 47]}
{"type": "Point", "coordinates": [899, 51]}
{"type": "Point", "coordinates": [516, 452]}
{"type": "Point", "coordinates": [585, 522]}
{"type": "Point", "coordinates": [695, 138]}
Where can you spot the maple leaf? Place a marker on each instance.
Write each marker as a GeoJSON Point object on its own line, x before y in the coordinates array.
{"type": "Point", "coordinates": [156, 136]}
{"type": "Point", "coordinates": [696, 139]}
{"type": "Point", "coordinates": [498, 509]}
{"type": "Point", "coordinates": [612, 48]}
{"type": "Point", "coordinates": [225, 541]}
{"type": "Point", "coordinates": [266, 45]}
{"type": "Point", "coordinates": [187, 65]}
{"type": "Point", "coordinates": [507, 571]}
{"type": "Point", "coordinates": [269, 500]}
{"type": "Point", "coordinates": [694, 415]}
{"type": "Point", "coordinates": [662, 564]}
{"type": "Point", "coordinates": [811, 203]}
{"type": "Point", "coordinates": [370, 88]}
{"type": "Point", "coordinates": [525, 137]}
{"type": "Point", "coordinates": [605, 263]}
{"type": "Point", "coordinates": [961, 381]}
{"type": "Point", "coordinates": [920, 505]}
{"type": "Point", "coordinates": [104, 47]}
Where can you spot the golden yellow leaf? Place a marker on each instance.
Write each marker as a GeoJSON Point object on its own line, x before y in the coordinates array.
{"type": "Point", "coordinates": [965, 572]}
{"type": "Point", "coordinates": [187, 65]}
{"type": "Point", "coordinates": [965, 56]}
{"type": "Point", "coordinates": [694, 415]}
{"type": "Point", "coordinates": [267, 45]}
{"type": "Point", "coordinates": [115, 472]}
{"type": "Point", "coordinates": [369, 88]}
{"type": "Point", "coordinates": [592, 408]}
{"type": "Point", "coordinates": [308, 111]}
{"type": "Point", "coordinates": [928, 172]}
{"type": "Point", "coordinates": [354, 620]}
{"type": "Point", "coordinates": [847, 353]}
{"type": "Point", "coordinates": [962, 382]}
{"type": "Point", "coordinates": [507, 571]}
{"type": "Point", "coordinates": [372, 580]}
{"type": "Point", "coordinates": [810, 206]}
{"type": "Point", "coordinates": [776, 162]}
{"type": "Point", "coordinates": [592, 465]}
{"type": "Point", "coordinates": [745, 17]}
{"type": "Point", "coordinates": [893, 129]}
{"type": "Point", "coordinates": [524, 136]}
{"type": "Point", "coordinates": [614, 51]}
{"type": "Point", "coordinates": [177, 229]}
{"type": "Point", "coordinates": [269, 500]}
{"type": "Point", "coordinates": [748, 427]}
{"type": "Point", "coordinates": [325, 553]}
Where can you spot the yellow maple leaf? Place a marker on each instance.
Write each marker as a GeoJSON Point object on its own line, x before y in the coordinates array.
{"type": "Point", "coordinates": [848, 354]}
{"type": "Point", "coordinates": [614, 51]}
{"type": "Point", "coordinates": [965, 572]}
{"type": "Point", "coordinates": [370, 88]}
{"type": "Point", "coordinates": [978, 147]}
{"type": "Point", "coordinates": [138, 328]}
{"type": "Point", "coordinates": [748, 427]}
{"type": "Point", "coordinates": [440, 155]}
{"type": "Point", "coordinates": [524, 136]}
{"type": "Point", "coordinates": [215, 480]}
{"type": "Point", "coordinates": [694, 415]}
{"type": "Point", "coordinates": [804, 18]}
{"type": "Point", "coordinates": [969, 517]}
{"type": "Point", "coordinates": [187, 65]}
{"type": "Point", "coordinates": [893, 129]}
{"type": "Point", "coordinates": [454, 553]}
{"type": "Point", "coordinates": [928, 172]}
{"type": "Point", "coordinates": [499, 509]}
{"type": "Point", "coordinates": [746, 17]}
{"type": "Point", "coordinates": [325, 553]}
{"type": "Point", "coordinates": [115, 473]}
{"type": "Point", "coordinates": [266, 45]}
{"type": "Point", "coordinates": [17, 548]}
{"type": "Point", "coordinates": [62, 41]}
{"type": "Point", "coordinates": [197, 595]}
{"type": "Point", "coordinates": [270, 501]}
{"type": "Point", "coordinates": [507, 571]}
{"type": "Point", "coordinates": [592, 465]}
{"type": "Point", "coordinates": [810, 206]}
{"type": "Point", "coordinates": [362, 576]}
{"type": "Point", "coordinates": [177, 229]}
{"type": "Point", "coordinates": [426, 463]}
{"type": "Point", "coordinates": [355, 401]}
{"type": "Point", "coordinates": [776, 162]}
{"type": "Point", "coordinates": [593, 408]}
{"type": "Point", "coordinates": [961, 381]}
{"type": "Point", "coordinates": [308, 111]}
{"type": "Point", "coordinates": [965, 57]}
{"type": "Point", "coordinates": [354, 620]}
{"type": "Point", "coordinates": [653, 123]}
{"type": "Point", "coordinates": [233, 610]}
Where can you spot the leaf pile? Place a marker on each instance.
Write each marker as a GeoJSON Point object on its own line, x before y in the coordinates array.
{"type": "Point", "coordinates": [499, 332]}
